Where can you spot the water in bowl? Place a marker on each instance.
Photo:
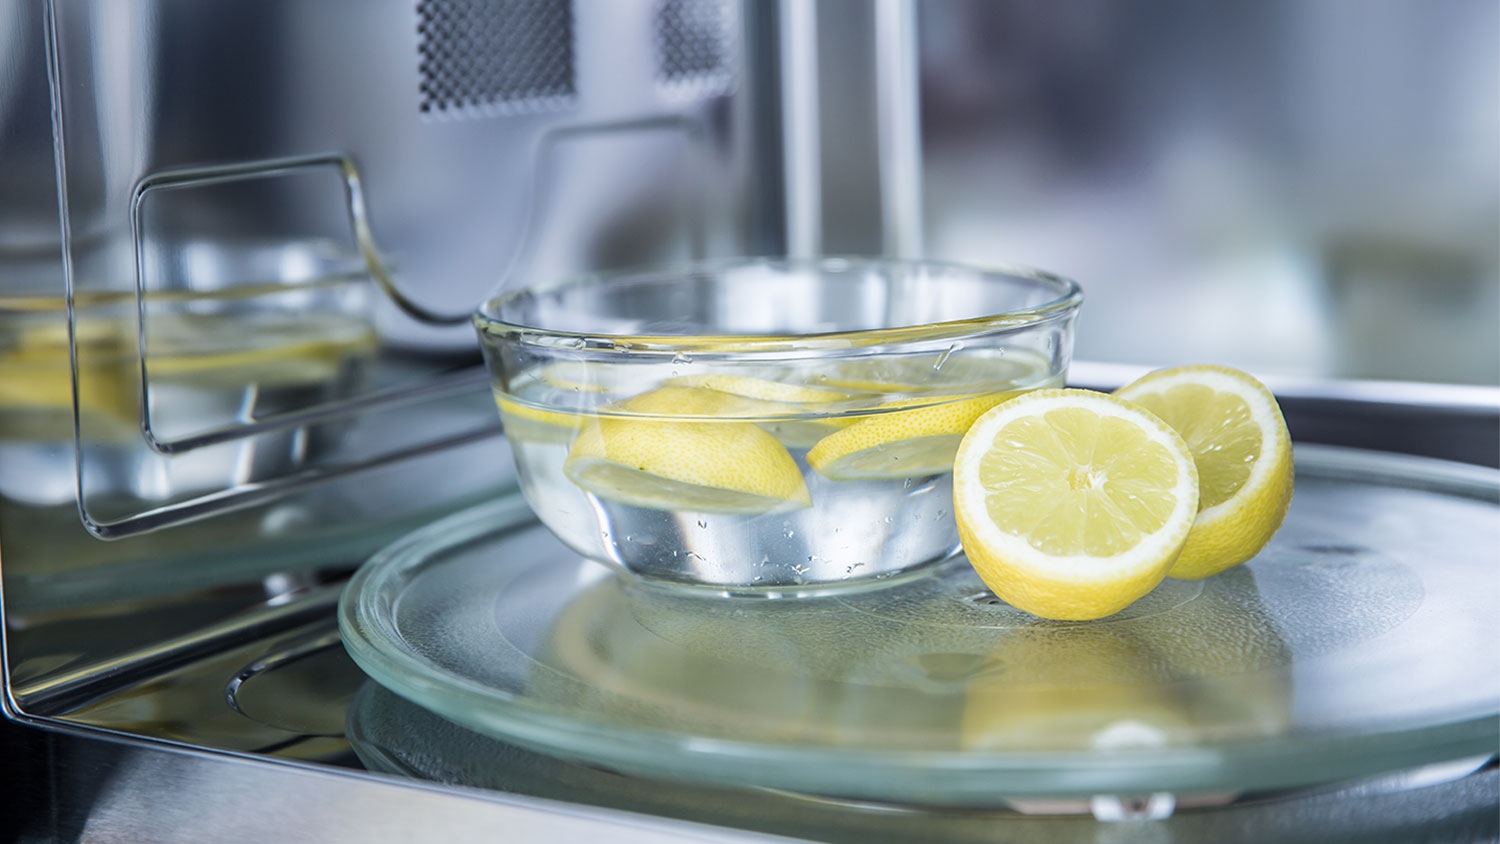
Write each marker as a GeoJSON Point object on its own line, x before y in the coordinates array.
{"type": "Point", "coordinates": [794, 480]}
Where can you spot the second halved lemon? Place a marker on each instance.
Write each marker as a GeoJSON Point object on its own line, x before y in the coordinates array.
{"type": "Point", "coordinates": [1239, 440]}
{"type": "Point", "coordinates": [1073, 504]}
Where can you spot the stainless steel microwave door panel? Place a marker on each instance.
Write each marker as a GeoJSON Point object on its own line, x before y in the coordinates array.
{"type": "Point", "coordinates": [502, 57]}
{"type": "Point", "coordinates": [440, 149]}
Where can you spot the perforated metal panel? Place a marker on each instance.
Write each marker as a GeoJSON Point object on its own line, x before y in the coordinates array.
{"type": "Point", "coordinates": [495, 57]}
{"type": "Point", "coordinates": [694, 47]}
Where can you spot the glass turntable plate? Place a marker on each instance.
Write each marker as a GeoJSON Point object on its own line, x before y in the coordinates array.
{"type": "Point", "coordinates": [1364, 639]}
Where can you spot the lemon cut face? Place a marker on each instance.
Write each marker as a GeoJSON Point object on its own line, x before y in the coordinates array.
{"type": "Point", "coordinates": [1243, 452]}
{"type": "Point", "coordinates": [1073, 504]}
{"type": "Point", "coordinates": [676, 456]}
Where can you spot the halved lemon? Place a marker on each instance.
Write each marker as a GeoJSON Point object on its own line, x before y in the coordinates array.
{"type": "Point", "coordinates": [1073, 504]}
{"type": "Point", "coordinates": [903, 443]}
{"type": "Point", "coordinates": [677, 456]}
{"type": "Point", "coordinates": [1239, 440]}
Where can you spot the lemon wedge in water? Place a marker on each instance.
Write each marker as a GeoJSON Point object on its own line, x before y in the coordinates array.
{"type": "Point", "coordinates": [666, 451]}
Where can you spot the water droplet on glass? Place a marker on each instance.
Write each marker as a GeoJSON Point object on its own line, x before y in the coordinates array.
{"type": "Point", "coordinates": [576, 343]}
{"type": "Point", "coordinates": [906, 484]}
{"type": "Point", "coordinates": [682, 357]}
{"type": "Point", "coordinates": [943, 358]}
{"type": "Point", "coordinates": [790, 533]}
{"type": "Point", "coordinates": [703, 524]}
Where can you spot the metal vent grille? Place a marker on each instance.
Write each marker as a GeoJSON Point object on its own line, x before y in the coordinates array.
{"type": "Point", "coordinates": [694, 47]}
{"type": "Point", "coordinates": [495, 56]}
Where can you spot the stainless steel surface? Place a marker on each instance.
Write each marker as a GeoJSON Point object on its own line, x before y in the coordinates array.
{"type": "Point", "coordinates": [73, 785]}
{"type": "Point", "coordinates": [1449, 421]}
{"type": "Point", "coordinates": [73, 687]}
{"type": "Point", "coordinates": [105, 791]}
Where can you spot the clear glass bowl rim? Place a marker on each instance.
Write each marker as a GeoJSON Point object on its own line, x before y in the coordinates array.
{"type": "Point", "coordinates": [746, 346]}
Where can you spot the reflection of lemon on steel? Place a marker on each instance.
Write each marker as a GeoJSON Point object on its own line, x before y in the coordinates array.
{"type": "Point", "coordinates": [665, 450]}
{"type": "Point", "coordinates": [1072, 504]}
{"type": "Point", "coordinates": [901, 443]}
{"type": "Point", "coordinates": [1239, 439]}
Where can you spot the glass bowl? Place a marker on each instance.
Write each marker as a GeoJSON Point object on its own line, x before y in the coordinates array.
{"type": "Point", "coordinates": [761, 426]}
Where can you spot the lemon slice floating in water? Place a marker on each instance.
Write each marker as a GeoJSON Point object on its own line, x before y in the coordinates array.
{"type": "Point", "coordinates": [901, 443]}
{"type": "Point", "coordinates": [676, 456]}
{"type": "Point", "coordinates": [1073, 504]}
{"type": "Point", "coordinates": [526, 423]}
{"type": "Point", "coordinates": [1238, 438]}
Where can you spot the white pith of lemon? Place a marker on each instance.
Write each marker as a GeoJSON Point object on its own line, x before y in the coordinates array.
{"type": "Point", "coordinates": [1073, 504]}
{"type": "Point", "coordinates": [678, 456]}
{"type": "Point", "coordinates": [1243, 452]}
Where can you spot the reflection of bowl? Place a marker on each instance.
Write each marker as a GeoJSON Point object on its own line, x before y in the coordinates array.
{"type": "Point", "coordinates": [757, 425]}
{"type": "Point", "coordinates": [226, 352]}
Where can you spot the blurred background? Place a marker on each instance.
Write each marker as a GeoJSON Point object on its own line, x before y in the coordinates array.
{"type": "Point", "coordinates": [1296, 188]}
